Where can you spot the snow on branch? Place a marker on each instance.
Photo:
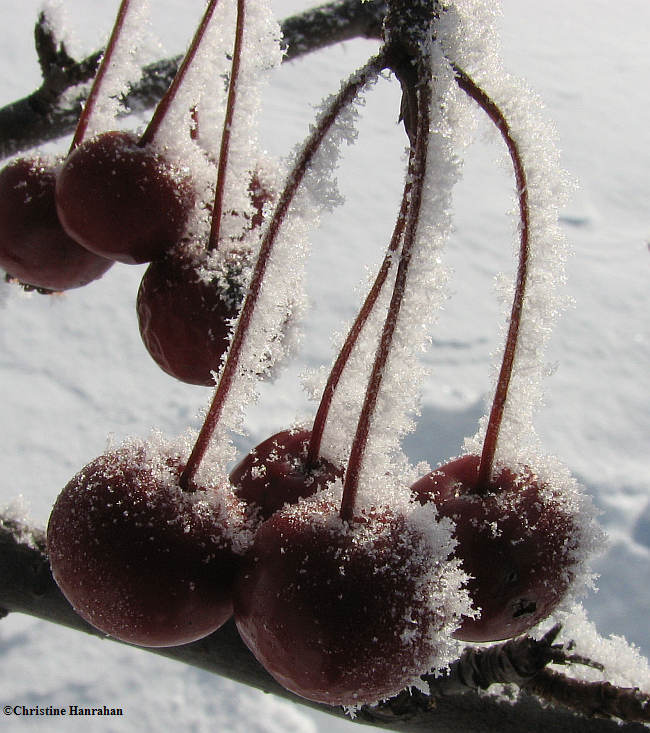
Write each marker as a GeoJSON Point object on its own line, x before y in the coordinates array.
{"type": "Point", "coordinates": [456, 701]}
{"type": "Point", "coordinates": [47, 114]}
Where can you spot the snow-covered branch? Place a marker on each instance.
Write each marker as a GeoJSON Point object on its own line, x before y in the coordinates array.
{"type": "Point", "coordinates": [455, 703]}
{"type": "Point", "coordinates": [48, 114]}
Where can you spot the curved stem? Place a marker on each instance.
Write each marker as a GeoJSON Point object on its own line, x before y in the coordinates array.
{"type": "Point", "coordinates": [215, 225]}
{"type": "Point", "coordinates": [84, 118]}
{"type": "Point", "coordinates": [320, 421]}
{"type": "Point", "coordinates": [417, 169]}
{"type": "Point", "coordinates": [345, 97]}
{"type": "Point", "coordinates": [165, 103]}
{"type": "Point", "coordinates": [505, 373]}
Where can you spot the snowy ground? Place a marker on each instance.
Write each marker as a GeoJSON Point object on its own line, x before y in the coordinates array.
{"type": "Point", "coordinates": [74, 369]}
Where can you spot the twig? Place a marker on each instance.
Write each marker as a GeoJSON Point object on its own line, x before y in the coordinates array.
{"type": "Point", "coordinates": [593, 699]}
{"type": "Point", "coordinates": [523, 662]}
{"type": "Point", "coordinates": [51, 52]}
{"type": "Point", "coordinates": [43, 115]}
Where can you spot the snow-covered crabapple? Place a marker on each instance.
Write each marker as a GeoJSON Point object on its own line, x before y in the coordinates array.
{"type": "Point", "coordinates": [276, 472]}
{"type": "Point", "coordinates": [345, 613]}
{"type": "Point", "coordinates": [516, 540]}
{"type": "Point", "coordinates": [140, 559]}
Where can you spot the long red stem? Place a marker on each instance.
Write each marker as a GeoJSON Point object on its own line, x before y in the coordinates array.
{"type": "Point", "coordinates": [320, 421]}
{"type": "Point", "coordinates": [168, 98]}
{"type": "Point", "coordinates": [505, 373]}
{"type": "Point", "coordinates": [217, 210]}
{"type": "Point", "coordinates": [89, 107]}
{"type": "Point", "coordinates": [345, 97]}
{"type": "Point", "coordinates": [417, 169]}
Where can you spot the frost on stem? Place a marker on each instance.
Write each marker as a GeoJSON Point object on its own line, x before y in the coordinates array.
{"type": "Point", "coordinates": [276, 279]}
{"type": "Point", "coordinates": [420, 292]}
{"type": "Point", "coordinates": [202, 104]}
{"type": "Point", "coordinates": [468, 37]}
{"type": "Point", "coordinates": [120, 68]}
{"type": "Point", "coordinates": [507, 436]}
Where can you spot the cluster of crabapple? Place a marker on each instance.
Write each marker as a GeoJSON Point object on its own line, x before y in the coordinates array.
{"type": "Point", "coordinates": [342, 601]}
{"type": "Point", "coordinates": [117, 197]}
{"type": "Point", "coordinates": [515, 537]}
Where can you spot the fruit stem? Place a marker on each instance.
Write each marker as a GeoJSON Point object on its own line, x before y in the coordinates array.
{"type": "Point", "coordinates": [320, 421]}
{"type": "Point", "coordinates": [84, 117]}
{"type": "Point", "coordinates": [505, 373]}
{"type": "Point", "coordinates": [345, 97]}
{"type": "Point", "coordinates": [168, 98]}
{"type": "Point", "coordinates": [416, 173]}
{"type": "Point", "coordinates": [217, 210]}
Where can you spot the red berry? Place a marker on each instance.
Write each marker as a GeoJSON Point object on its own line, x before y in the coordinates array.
{"type": "Point", "coordinates": [186, 317]}
{"type": "Point", "coordinates": [342, 614]}
{"type": "Point", "coordinates": [140, 559]}
{"type": "Point", "coordinates": [185, 322]}
{"type": "Point", "coordinates": [275, 473]}
{"type": "Point", "coordinates": [34, 248]}
{"type": "Point", "coordinates": [516, 542]}
{"type": "Point", "coordinates": [122, 200]}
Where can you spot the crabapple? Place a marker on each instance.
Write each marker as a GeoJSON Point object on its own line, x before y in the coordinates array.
{"type": "Point", "coordinates": [342, 613]}
{"type": "Point", "coordinates": [34, 248]}
{"type": "Point", "coordinates": [185, 321]}
{"type": "Point", "coordinates": [276, 473]}
{"type": "Point", "coordinates": [140, 559]}
{"type": "Point", "coordinates": [516, 541]}
{"type": "Point", "coordinates": [122, 200]}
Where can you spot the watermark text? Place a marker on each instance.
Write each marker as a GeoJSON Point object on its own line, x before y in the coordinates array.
{"type": "Point", "coordinates": [55, 711]}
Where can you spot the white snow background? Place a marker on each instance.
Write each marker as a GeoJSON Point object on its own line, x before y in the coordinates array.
{"type": "Point", "coordinates": [73, 368]}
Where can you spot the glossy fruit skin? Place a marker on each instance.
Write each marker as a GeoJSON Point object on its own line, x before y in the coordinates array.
{"type": "Point", "coordinates": [34, 248]}
{"type": "Point", "coordinates": [185, 323]}
{"type": "Point", "coordinates": [326, 606]}
{"type": "Point", "coordinates": [139, 559]}
{"type": "Point", "coordinates": [123, 201]}
{"type": "Point", "coordinates": [275, 473]}
{"type": "Point", "coordinates": [516, 543]}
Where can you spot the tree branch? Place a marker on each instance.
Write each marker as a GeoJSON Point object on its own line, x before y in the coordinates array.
{"type": "Point", "coordinates": [27, 586]}
{"type": "Point", "coordinates": [44, 115]}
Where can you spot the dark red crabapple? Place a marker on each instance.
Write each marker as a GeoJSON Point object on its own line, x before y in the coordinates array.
{"type": "Point", "coordinates": [275, 472]}
{"type": "Point", "coordinates": [140, 559]}
{"type": "Point", "coordinates": [516, 542]}
{"type": "Point", "coordinates": [342, 613]}
{"type": "Point", "coordinates": [122, 200]}
{"type": "Point", "coordinates": [185, 318]}
{"type": "Point", "coordinates": [185, 321]}
{"type": "Point", "coordinates": [34, 248]}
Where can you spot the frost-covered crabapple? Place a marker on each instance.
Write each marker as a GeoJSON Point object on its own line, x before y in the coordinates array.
{"type": "Point", "coordinates": [122, 200]}
{"type": "Point", "coordinates": [517, 541]}
{"type": "Point", "coordinates": [140, 559]}
{"type": "Point", "coordinates": [185, 320]}
{"type": "Point", "coordinates": [347, 613]}
{"type": "Point", "coordinates": [34, 248]}
{"type": "Point", "coordinates": [276, 473]}
{"type": "Point", "coordinates": [189, 298]}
